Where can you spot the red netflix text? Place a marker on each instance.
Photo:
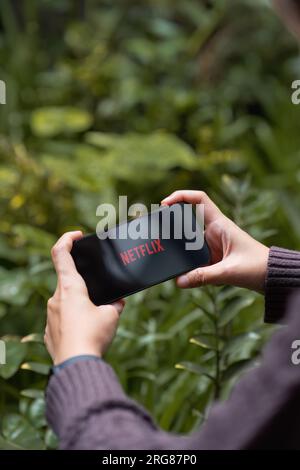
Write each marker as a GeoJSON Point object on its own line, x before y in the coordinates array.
{"type": "Point", "coordinates": [137, 252]}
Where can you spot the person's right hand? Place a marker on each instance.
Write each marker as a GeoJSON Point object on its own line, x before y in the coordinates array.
{"type": "Point", "coordinates": [237, 258]}
{"type": "Point", "coordinates": [75, 326]}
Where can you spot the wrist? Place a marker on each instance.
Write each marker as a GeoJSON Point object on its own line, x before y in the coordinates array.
{"type": "Point", "coordinates": [263, 268]}
{"type": "Point", "coordinates": [66, 353]}
{"type": "Point", "coordinates": [85, 357]}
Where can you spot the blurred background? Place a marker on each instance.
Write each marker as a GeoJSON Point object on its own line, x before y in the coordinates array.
{"type": "Point", "coordinates": [141, 97]}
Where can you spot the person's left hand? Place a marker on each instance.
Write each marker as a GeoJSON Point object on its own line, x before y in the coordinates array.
{"type": "Point", "coordinates": [76, 326]}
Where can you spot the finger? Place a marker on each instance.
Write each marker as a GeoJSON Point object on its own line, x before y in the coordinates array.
{"type": "Point", "coordinates": [214, 274]}
{"type": "Point", "coordinates": [119, 305]}
{"type": "Point", "coordinates": [111, 309]}
{"type": "Point", "coordinates": [51, 303]}
{"type": "Point", "coordinates": [211, 211]}
{"type": "Point", "coordinates": [62, 259]}
{"type": "Point", "coordinates": [48, 342]}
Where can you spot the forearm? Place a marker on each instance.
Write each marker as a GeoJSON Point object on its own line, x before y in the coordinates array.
{"type": "Point", "coordinates": [88, 409]}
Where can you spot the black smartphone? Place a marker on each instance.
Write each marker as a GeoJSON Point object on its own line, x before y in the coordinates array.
{"type": "Point", "coordinates": [122, 264]}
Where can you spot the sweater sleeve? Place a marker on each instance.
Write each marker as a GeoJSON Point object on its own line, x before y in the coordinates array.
{"type": "Point", "coordinates": [282, 279]}
{"type": "Point", "coordinates": [88, 409]}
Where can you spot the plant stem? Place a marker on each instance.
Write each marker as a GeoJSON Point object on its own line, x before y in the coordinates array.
{"type": "Point", "coordinates": [217, 385]}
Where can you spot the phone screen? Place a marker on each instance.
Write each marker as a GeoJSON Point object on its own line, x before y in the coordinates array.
{"type": "Point", "coordinates": [116, 267]}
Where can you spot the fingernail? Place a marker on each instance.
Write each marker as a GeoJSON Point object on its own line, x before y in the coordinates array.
{"type": "Point", "coordinates": [183, 281]}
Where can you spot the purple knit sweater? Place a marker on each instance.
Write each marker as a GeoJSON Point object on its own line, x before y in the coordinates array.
{"type": "Point", "coordinates": [87, 408]}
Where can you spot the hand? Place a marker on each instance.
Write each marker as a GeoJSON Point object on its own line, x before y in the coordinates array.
{"type": "Point", "coordinates": [237, 259]}
{"type": "Point", "coordinates": [75, 325]}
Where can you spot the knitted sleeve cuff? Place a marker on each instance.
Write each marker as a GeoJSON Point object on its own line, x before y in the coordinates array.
{"type": "Point", "coordinates": [283, 278]}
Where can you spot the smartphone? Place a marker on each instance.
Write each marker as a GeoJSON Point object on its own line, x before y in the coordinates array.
{"type": "Point", "coordinates": [123, 263]}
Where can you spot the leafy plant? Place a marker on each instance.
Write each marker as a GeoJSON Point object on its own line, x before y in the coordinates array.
{"type": "Point", "coordinates": [140, 98]}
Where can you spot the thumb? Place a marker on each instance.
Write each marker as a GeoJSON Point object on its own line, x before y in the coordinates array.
{"type": "Point", "coordinates": [119, 305]}
{"type": "Point", "coordinates": [112, 309]}
{"type": "Point", "coordinates": [213, 274]}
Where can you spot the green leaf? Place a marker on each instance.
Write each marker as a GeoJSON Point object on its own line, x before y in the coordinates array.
{"type": "Point", "coordinates": [51, 439]}
{"type": "Point", "coordinates": [195, 368]}
{"type": "Point", "coordinates": [52, 121]}
{"type": "Point", "coordinates": [13, 286]}
{"type": "Point", "coordinates": [19, 431]}
{"type": "Point", "coordinates": [6, 445]}
{"type": "Point", "coordinates": [15, 353]}
{"type": "Point", "coordinates": [3, 310]}
{"type": "Point", "coordinates": [235, 369]}
{"type": "Point", "coordinates": [206, 341]}
{"type": "Point", "coordinates": [33, 338]}
{"type": "Point", "coordinates": [104, 140]}
{"type": "Point", "coordinates": [147, 156]}
{"type": "Point", "coordinates": [233, 308]}
{"type": "Point", "coordinates": [241, 347]}
{"type": "Point", "coordinates": [82, 173]}
{"type": "Point", "coordinates": [39, 241]}
{"type": "Point", "coordinates": [36, 367]}
{"type": "Point", "coordinates": [36, 413]}
{"type": "Point", "coordinates": [7, 252]}
{"type": "Point", "coordinates": [32, 393]}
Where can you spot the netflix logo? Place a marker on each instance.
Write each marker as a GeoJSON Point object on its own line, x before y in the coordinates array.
{"type": "Point", "coordinates": [140, 251]}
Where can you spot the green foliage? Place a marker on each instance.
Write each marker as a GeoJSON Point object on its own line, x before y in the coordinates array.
{"type": "Point", "coordinates": [50, 122]}
{"type": "Point", "coordinates": [140, 98]}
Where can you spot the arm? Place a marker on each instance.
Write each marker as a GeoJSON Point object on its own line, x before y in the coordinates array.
{"type": "Point", "coordinates": [88, 409]}
{"type": "Point", "coordinates": [85, 403]}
